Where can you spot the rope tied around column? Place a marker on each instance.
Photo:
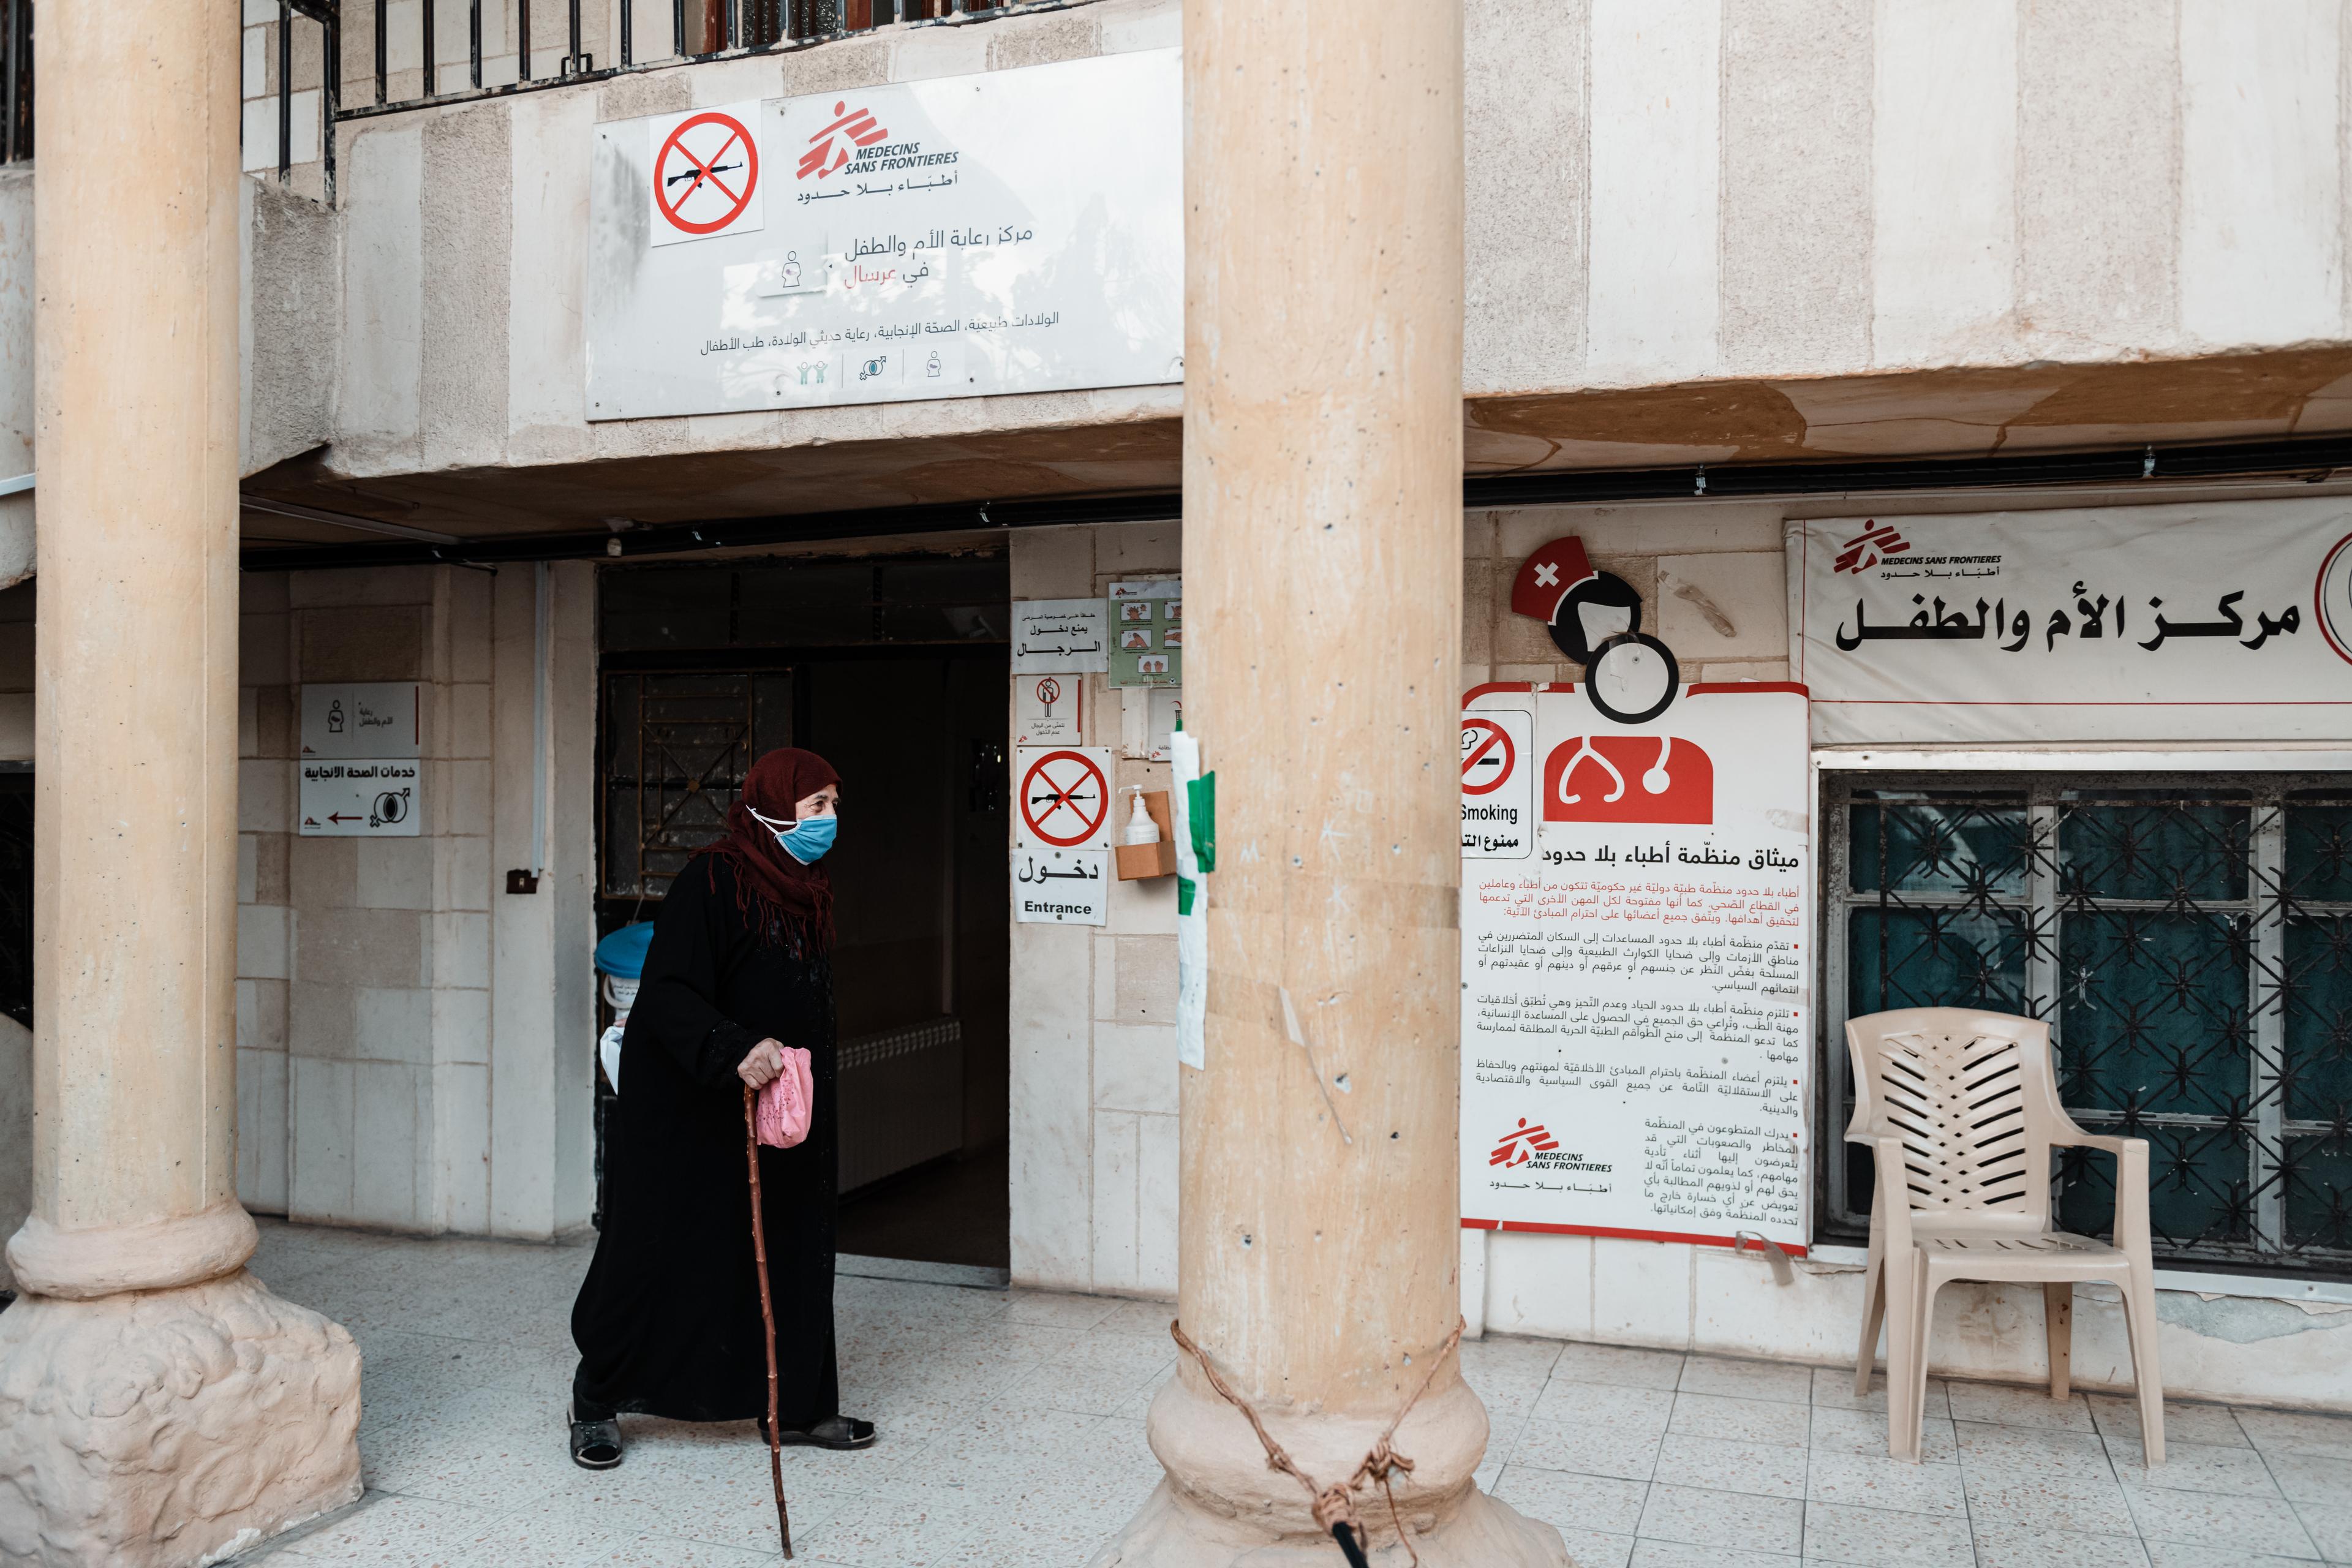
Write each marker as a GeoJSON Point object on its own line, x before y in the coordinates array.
{"type": "Point", "coordinates": [1334, 1506]}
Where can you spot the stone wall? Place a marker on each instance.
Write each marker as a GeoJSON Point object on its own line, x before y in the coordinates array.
{"type": "Point", "coordinates": [1094, 1008]}
{"type": "Point", "coordinates": [1695, 230]}
{"type": "Point", "coordinates": [400, 1016]}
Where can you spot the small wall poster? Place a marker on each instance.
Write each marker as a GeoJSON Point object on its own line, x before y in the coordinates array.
{"type": "Point", "coordinates": [1636, 999]}
{"type": "Point", "coordinates": [1146, 633]}
{"type": "Point", "coordinates": [1061, 887]}
{"type": "Point", "coordinates": [1059, 637]}
{"type": "Point", "coordinates": [1047, 710]}
{"type": "Point", "coordinates": [362, 718]}
{"type": "Point", "coordinates": [1062, 796]}
{"type": "Point", "coordinates": [360, 798]}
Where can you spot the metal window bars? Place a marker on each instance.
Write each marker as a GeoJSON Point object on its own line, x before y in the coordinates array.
{"type": "Point", "coordinates": [15, 80]}
{"type": "Point", "coordinates": [2189, 938]}
{"type": "Point", "coordinates": [699, 29]}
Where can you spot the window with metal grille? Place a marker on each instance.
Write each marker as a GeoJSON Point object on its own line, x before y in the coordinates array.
{"type": "Point", "coordinates": [2188, 937]}
{"type": "Point", "coordinates": [676, 746]}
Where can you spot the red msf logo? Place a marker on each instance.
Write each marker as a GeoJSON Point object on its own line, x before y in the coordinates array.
{"type": "Point", "coordinates": [1865, 550]}
{"type": "Point", "coordinates": [856, 124]}
{"type": "Point", "coordinates": [1517, 1147]}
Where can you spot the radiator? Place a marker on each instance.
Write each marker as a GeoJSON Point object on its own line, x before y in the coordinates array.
{"type": "Point", "coordinates": [901, 1098]}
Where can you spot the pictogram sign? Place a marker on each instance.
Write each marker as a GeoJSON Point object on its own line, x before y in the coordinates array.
{"type": "Point", "coordinates": [1487, 756]}
{"type": "Point", "coordinates": [1604, 777]}
{"type": "Point", "coordinates": [358, 797]}
{"type": "Point", "coordinates": [1498, 799]}
{"type": "Point", "coordinates": [706, 176]}
{"type": "Point", "coordinates": [1046, 710]}
{"type": "Point", "coordinates": [1064, 797]}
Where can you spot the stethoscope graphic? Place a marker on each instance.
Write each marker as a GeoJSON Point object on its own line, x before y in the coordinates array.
{"type": "Point", "coordinates": [1655, 779]}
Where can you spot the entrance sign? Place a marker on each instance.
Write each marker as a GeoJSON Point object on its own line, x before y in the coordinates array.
{"type": "Point", "coordinates": [705, 174]}
{"type": "Point", "coordinates": [1061, 887]}
{"type": "Point", "coordinates": [378, 797]}
{"type": "Point", "coordinates": [362, 718]}
{"type": "Point", "coordinates": [2180, 622]}
{"type": "Point", "coordinates": [1064, 796]}
{"type": "Point", "coordinates": [1046, 710]}
{"type": "Point", "coordinates": [1498, 819]}
{"type": "Point", "coordinates": [1010, 231]}
{"type": "Point", "coordinates": [1637, 992]}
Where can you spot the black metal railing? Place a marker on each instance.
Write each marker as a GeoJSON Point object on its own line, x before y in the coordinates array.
{"type": "Point", "coordinates": [697, 30]}
{"type": "Point", "coordinates": [328, 16]}
{"type": "Point", "coordinates": [15, 80]}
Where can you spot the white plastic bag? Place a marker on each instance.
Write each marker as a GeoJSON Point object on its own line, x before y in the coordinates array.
{"type": "Point", "coordinates": [608, 1051]}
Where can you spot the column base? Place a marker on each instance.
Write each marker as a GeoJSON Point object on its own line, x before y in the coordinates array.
{"type": "Point", "coordinates": [166, 1428]}
{"type": "Point", "coordinates": [1173, 1532]}
{"type": "Point", "coordinates": [1221, 1503]}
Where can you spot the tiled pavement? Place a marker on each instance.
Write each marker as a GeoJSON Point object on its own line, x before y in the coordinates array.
{"type": "Point", "coordinates": [1012, 1433]}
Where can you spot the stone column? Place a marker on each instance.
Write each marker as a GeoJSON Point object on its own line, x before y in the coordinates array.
{"type": "Point", "coordinates": [157, 1404]}
{"type": "Point", "coordinates": [1320, 1246]}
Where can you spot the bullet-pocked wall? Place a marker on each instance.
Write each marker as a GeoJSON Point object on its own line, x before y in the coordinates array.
{"type": "Point", "coordinates": [412, 1039]}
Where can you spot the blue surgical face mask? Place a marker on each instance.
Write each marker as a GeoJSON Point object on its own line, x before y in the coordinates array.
{"type": "Point", "coordinates": [807, 840]}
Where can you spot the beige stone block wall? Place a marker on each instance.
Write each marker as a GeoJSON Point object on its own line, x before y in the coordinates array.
{"type": "Point", "coordinates": [364, 967]}
{"type": "Point", "coordinates": [1711, 576]}
{"type": "Point", "coordinates": [1094, 1037]}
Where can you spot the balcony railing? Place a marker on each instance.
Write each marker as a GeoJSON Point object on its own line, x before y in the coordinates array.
{"type": "Point", "coordinates": [413, 54]}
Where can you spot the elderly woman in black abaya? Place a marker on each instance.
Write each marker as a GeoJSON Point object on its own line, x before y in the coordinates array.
{"type": "Point", "coordinates": [668, 1320]}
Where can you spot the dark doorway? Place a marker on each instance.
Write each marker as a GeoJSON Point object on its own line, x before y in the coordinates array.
{"type": "Point", "coordinates": [895, 670]}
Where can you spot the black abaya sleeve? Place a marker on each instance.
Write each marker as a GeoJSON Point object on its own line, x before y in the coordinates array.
{"type": "Point", "coordinates": [692, 933]}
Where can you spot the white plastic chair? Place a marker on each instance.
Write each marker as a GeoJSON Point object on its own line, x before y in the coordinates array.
{"type": "Point", "coordinates": [1960, 1110]}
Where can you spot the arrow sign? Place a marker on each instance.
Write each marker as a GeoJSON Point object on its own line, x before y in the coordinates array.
{"type": "Point", "coordinates": [360, 798]}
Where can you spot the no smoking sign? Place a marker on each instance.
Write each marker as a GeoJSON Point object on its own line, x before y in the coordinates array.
{"type": "Point", "coordinates": [1498, 819]}
{"type": "Point", "coordinates": [1064, 796]}
{"type": "Point", "coordinates": [705, 174]}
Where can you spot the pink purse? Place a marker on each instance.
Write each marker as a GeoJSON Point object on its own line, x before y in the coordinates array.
{"type": "Point", "coordinates": [782, 1115]}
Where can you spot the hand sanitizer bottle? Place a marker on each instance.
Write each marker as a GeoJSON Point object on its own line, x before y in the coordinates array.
{"type": "Point", "coordinates": [1141, 828]}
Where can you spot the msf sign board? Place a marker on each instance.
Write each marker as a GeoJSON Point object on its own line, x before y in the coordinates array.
{"type": "Point", "coordinates": [1010, 231]}
{"type": "Point", "coordinates": [1636, 964]}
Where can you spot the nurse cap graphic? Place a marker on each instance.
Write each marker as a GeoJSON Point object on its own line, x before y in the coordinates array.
{"type": "Point", "coordinates": [1595, 618]}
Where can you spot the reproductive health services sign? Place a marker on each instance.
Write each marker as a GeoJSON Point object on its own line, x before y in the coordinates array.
{"type": "Point", "coordinates": [2170, 623]}
{"type": "Point", "coordinates": [1636, 999]}
{"type": "Point", "coordinates": [1011, 231]}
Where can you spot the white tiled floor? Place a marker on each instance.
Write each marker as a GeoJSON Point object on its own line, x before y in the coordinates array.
{"type": "Point", "coordinates": [1013, 1433]}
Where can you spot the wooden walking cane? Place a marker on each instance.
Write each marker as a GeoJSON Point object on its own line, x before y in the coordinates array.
{"type": "Point", "coordinates": [767, 1311]}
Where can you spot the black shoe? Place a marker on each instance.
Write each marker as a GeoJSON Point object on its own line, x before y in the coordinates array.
{"type": "Point", "coordinates": [833, 1432]}
{"type": "Point", "coordinates": [595, 1444]}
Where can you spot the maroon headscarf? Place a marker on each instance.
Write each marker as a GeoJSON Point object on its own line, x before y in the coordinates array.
{"type": "Point", "coordinates": [780, 898]}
